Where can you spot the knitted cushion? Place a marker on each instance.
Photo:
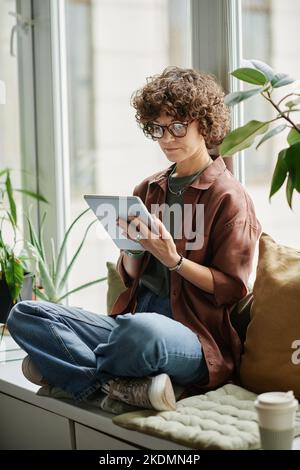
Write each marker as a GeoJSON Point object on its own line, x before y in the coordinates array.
{"type": "Point", "coordinates": [220, 419]}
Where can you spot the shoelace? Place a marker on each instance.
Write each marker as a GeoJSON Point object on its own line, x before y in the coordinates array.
{"type": "Point", "coordinates": [133, 390]}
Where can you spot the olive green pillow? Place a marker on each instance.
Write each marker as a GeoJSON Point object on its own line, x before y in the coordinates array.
{"type": "Point", "coordinates": [115, 285]}
{"type": "Point", "coordinates": [271, 361]}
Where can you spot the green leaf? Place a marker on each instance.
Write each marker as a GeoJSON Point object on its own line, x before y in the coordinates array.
{"type": "Point", "coordinates": [4, 172]}
{"type": "Point", "coordinates": [14, 276]}
{"type": "Point", "coordinates": [292, 103]}
{"type": "Point", "coordinates": [46, 280]}
{"type": "Point", "coordinates": [37, 196]}
{"type": "Point", "coordinates": [250, 75]}
{"type": "Point", "coordinates": [84, 286]}
{"type": "Point", "coordinates": [40, 294]}
{"type": "Point", "coordinates": [271, 133]}
{"type": "Point", "coordinates": [53, 261]}
{"type": "Point", "coordinates": [62, 248]}
{"type": "Point", "coordinates": [242, 137]}
{"type": "Point", "coordinates": [67, 272]}
{"type": "Point", "coordinates": [292, 159]}
{"type": "Point", "coordinates": [34, 239]}
{"type": "Point", "coordinates": [279, 174]}
{"type": "Point", "coordinates": [289, 190]}
{"type": "Point", "coordinates": [262, 66]}
{"type": "Point", "coordinates": [12, 204]}
{"type": "Point", "coordinates": [281, 79]}
{"type": "Point", "coordinates": [293, 136]}
{"type": "Point", "coordinates": [238, 96]}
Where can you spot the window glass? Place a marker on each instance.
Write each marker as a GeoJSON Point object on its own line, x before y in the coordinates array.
{"type": "Point", "coordinates": [9, 111]}
{"type": "Point", "coordinates": [270, 32]}
{"type": "Point", "coordinates": [112, 46]}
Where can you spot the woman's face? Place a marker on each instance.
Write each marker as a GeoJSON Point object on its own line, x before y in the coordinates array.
{"type": "Point", "coordinates": [178, 149]}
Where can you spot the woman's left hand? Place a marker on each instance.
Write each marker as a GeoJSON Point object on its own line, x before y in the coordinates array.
{"type": "Point", "coordinates": [160, 245]}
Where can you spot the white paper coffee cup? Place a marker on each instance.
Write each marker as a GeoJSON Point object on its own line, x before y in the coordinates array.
{"type": "Point", "coordinates": [276, 419]}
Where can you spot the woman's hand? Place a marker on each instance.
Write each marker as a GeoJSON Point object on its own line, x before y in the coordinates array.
{"type": "Point", "coordinates": [160, 245]}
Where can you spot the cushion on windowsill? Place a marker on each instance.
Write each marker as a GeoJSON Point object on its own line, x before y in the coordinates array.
{"type": "Point", "coordinates": [221, 419]}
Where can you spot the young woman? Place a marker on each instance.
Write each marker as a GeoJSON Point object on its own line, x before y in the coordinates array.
{"type": "Point", "coordinates": [172, 323]}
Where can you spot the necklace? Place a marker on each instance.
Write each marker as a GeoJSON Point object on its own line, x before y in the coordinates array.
{"type": "Point", "coordinates": [178, 193]}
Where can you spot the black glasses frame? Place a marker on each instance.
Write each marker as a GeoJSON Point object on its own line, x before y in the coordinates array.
{"type": "Point", "coordinates": [163, 128]}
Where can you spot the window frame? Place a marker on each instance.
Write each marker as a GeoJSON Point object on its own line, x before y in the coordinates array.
{"type": "Point", "coordinates": [216, 29]}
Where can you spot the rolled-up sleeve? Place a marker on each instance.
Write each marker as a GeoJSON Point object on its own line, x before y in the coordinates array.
{"type": "Point", "coordinates": [231, 264]}
{"type": "Point", "coordinates": [232, 246]}
{"type": "Point", "coordinates": [127, 280]}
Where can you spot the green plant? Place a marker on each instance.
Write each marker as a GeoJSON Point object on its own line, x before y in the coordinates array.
{"type": "Point", "coordinates": [267, 80]}
{"type": "Point", "coordinates": [52, 276]}
{"type": "Point", "coordinates": [12, 265]}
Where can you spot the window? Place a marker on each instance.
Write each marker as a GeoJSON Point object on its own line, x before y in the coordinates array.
{"type": "Point", "coordinates": [270, 34]}
{"type": "Point", "coordinates": [9, 112]}
{"type": "Point", "coordinates": [112, 46]}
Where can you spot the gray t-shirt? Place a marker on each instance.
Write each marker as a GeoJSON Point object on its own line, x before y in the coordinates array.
{"type": "Point", "coordinates": [156, 276]}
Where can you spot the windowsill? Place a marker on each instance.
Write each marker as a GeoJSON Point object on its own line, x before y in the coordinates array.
{"type": "Point", "coordinates": [14, 384]}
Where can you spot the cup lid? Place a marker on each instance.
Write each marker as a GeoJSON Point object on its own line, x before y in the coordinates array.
{"type": "Point", "coordinates": [276, 398]}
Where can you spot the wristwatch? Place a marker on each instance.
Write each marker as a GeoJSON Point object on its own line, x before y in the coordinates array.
{"type": "Point", "coordinates": [135, 253]}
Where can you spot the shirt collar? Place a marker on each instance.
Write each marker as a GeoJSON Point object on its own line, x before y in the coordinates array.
{"type": "Point", "coordinates": [204, 180]}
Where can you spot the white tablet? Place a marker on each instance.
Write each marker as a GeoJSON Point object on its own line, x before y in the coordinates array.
{"type": "Point", "coordinates": [108, 208]}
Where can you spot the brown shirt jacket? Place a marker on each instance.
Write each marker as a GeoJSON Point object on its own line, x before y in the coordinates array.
{"type": "Point", "coordinates": [231, 231]}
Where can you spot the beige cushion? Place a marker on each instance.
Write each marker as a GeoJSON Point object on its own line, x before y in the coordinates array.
{"type": "Point", "coordinates": [115, 285]}
{"type": "Point", "coordinates": [268, 362]}
{"type": "Point", "coordinates": [221, 419]}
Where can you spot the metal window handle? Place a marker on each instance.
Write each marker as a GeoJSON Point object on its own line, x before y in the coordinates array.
{"type": "Point", "coordinates": [23, 24]}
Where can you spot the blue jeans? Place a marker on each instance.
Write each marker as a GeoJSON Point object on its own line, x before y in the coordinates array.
{"type": "Point", "coordinates": [80, 351]}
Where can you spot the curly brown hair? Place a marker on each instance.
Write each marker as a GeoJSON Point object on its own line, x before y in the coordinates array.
{"type": "Point", "coordinates": [185, 94]}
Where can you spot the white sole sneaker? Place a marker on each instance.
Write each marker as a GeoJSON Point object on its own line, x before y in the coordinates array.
{"type": "Point", "coordinates": [31, 372]}
{"type": "Point", "coordinates": [161, 393]}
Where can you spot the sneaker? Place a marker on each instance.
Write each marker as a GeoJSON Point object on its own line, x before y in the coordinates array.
{"type": "Point", "coordinates": [32, 373]}
{"type": "Point", "coordinates": [145, 392]}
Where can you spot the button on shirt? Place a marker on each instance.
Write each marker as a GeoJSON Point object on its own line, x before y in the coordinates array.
{"type": "Point", "coordinates": [231, 231]}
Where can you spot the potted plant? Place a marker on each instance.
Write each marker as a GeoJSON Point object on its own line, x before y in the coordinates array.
{"type": "Point", "coordinates": [267, 81]}
{"type": "Point", "coordinates": [15, 278]}
{"type": "Point", "coordinates": [52, 278]}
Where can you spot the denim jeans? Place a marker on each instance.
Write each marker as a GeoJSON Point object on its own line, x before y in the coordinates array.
{"type": "Point", "coordinates": [79, 351]}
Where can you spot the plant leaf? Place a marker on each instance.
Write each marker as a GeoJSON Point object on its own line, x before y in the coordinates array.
{"type": "Point", "coordinates": [279, 174]}
{"type": "Point", "coordinates": [14, 276]}
{"type": "Point", "coordinates": [250, 75]}
{"type": "Point", "coordinates": [289, 189]}
{"type": "Point", "coordinates": [261, 66]}
{"type": "Point", "coordinates": [53, 262]}
{"type": "Point", "coordinates": [12, 204]}
{"type": "Point", "coordinates": [293, 136]}
{"type": "Point", "coordinates": [67, 272]}
{"type": "Point", "coordinates": [32, 194]}
{"type": "Point", "coordinates": [292, 159]}
{"type": "Point", "coordinates": [82, 287]}
{"type": "Point", "coordinates": [63, 245]}
{"type": "Point", "coordinates": [40, 294]}
{"type": "Point", "coordinates": [292, 103]}
{"type": "Point", "coordinates": [3, 172]}
{"type": "Point", "coordinates": [271, 133]}
{"type": "Point", "coordinates": [43, 268]}
{"type": "Point", "coordinates": [238, 96]}
{"type": "Point", "coordinates": [281, 79]}
{"type": "Point", "coordinates": [242, 137]}
{"type": "Point", "coordinates": [34, 239]}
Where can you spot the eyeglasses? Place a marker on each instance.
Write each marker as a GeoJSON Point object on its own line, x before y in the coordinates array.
{"type": "Point", "coordinates": [156, 131]}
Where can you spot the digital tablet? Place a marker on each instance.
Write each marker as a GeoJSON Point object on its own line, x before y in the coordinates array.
{"type": "Point", "coordinates": [108, 208]}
